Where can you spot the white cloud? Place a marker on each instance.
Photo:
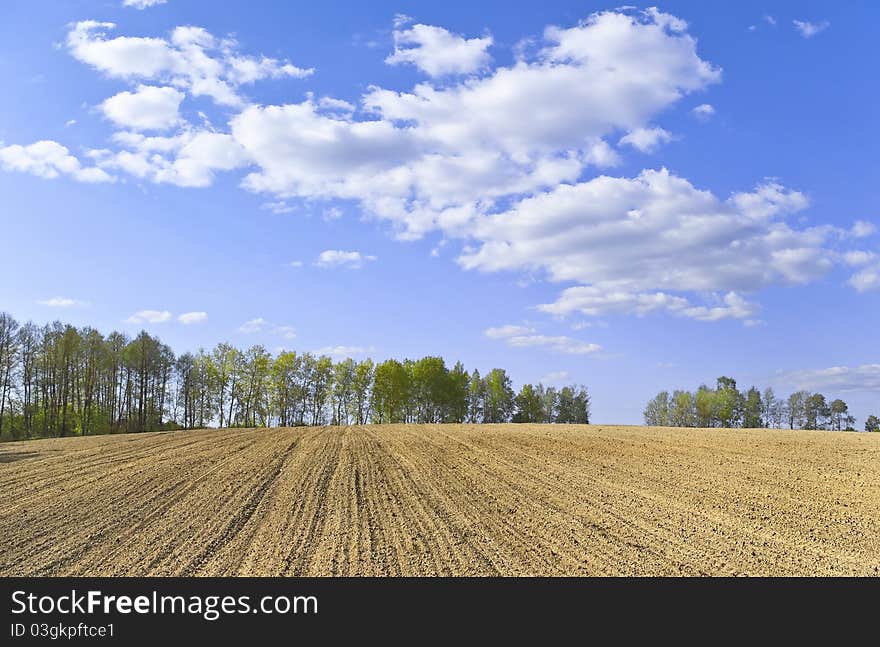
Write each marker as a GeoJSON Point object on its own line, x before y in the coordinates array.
{"type": "Point", "coordinates": [438, 156]}
{"type": "Point", "coordinates": [636, 245]}
{"type": "Point", "coordinates": [342, 352]}
{"type": "Point", "coordinates": [646, 139]}
{"type": "Point", "coordinates": [703, 111]}
{"type": "Point", "coordinates": [526, 337]}
{"type": "Point", "coordinates": [866, 279]}
{"type": "Point", "coordinates": [259, 325]}
{"type": "Point", "coordinates": [288, 332]}
{"type": "Point", "coordinates": [142, 4]}
{"type": "Point", "coordinates": [770, 20]}
{"type": "Point", "coordinates": [48, 159]}
{"type": "Point", "coordinates": [149, 316]}
{"type": "Point", "coordinates": [331, 214]}
{"type": "Point", "coordinates": [295, 263]}
{"type": "Point", "coordinates": [191, 59]}
{"type": "Point", "coordinates": [438, 52]}
{"type": "Point", "coordinates": [809, 29]}
{"type": "Point", "coordinates": [339, 258]}
{"type": "Point", "coordinates": [278, 207]}
{"type": "Point", "coordinates": [148, 108]}
{"type": "Point", "coordinates": [188, 318]}
{"type": "Point", "coordinates": [253, 325]}
{"type": "Point", "coordinates": [189, 158]}
{"type": "Point", "coordinates": [838, 379]}
{"type": "Point", "coordinates": [859, 257]}
{"type": "Point", "coordinates": [500, 161]}
{"type": "Point", "coordinates": [503, 332]}
{"type": "Point", "coordinates": [61, 302]}
{"type": "Point", "coordinates": [69, 123]}
{"type": "Point", "coordinates": [555, 377]}
{"type": "Point", "coordinates": [863, 229]}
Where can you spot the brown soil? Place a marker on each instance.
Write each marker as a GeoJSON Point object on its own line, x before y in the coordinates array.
{"type": "Point", "coordinates": [443, 500]}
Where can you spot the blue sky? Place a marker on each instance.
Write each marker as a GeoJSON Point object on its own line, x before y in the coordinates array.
{"type": "Point", "coordinates": [630, 199]}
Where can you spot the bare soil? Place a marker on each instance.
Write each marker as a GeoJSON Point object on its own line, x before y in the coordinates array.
{"type": "Point", "coordinates": [443, 500]}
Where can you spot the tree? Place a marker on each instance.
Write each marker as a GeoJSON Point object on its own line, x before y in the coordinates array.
{"type": "Point", "coordinates": [872, 424]}
{"type": "Point", "coordinates": [816, 412]}
{"type": "Point", "coordinates": [390, 392]}
{"type": "Point", "coordinates": [550, 399]}
{"type": "Point", "coordinates": [476, 397]}
{"type": "Point", "coordinates": [796, 409]}
{"type": "Point", "coordinates": [839, 415]}
{"type": "Point", "coordinates": [657, 410]}
{"type": "Point", "coordinates": [729, 411]}
{"type": "Point", "coordinates": [681, 409]}
{"type": "Point", "coordinates": [752, 410]}
{"type": "Point", "coordinates": [706, 406]}
{"type": "Point", "coordinates": [8, 359]}
{"type": "Point", "coordinates": [456, 394]}
{"type": "Point", "coordinates": [771, 409]}
{"type": "Point", "coordinates": [361, 389]}
{"type": "Point", "coordinates": [60, 380]}
{"type": "Point", "coordinates": [499, 396]}
{"type": "Point", "coordinates": [529, 405]}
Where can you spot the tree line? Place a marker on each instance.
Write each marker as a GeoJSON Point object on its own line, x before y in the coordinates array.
{"type": "Point", "coordinates": [58, 380]}
{"type": "Point", "coordinates": [727, 406]}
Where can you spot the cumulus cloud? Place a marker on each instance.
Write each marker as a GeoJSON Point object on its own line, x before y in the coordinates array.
{"type": "Point", "coordinates": [635, 244]}
{"type": "Point", "coordinates": [838, 379]}
{"type": "Point", "coordinates": [504, 161]}
{"type": "Point", "coordinates": [148, 108]}
{"type": "Point", "coordinates": [48, 159]}
{"type": "Point", "coordinates": [437, 156]}
{"type": "Point", "coordinates": [149, 316]}
{"type": "Point", "coordinates": [863, 229]}
{"type": "Point", "coordinates": [189, 158]}
{"type": "Point", "coordinates": [188, 318]}
{"type": "Point", "coordinates": [809, 29]}
{"type": "Point", "coordinates": [339, 258]}
{"type": "Point", "coordinates": [866, 279]}
{"type": "Point", "coordinates": [527, 337]}
{"type": "Point", "coordinates": [61, 302]}
{"type": "Point", "coordinates": [190, 59]}
{"type": "Point", "coordinates": [438, 52]}
{"type": "Point", "coordinates": [646, 139]}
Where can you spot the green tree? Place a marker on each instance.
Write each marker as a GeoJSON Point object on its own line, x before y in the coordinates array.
{"type": "Point", "coordinates": [752, 409]}
{"type": "Point", "coordinates": [681, 409]}
{"type": "Point", "coordinates": [499, 397]}
{"type": "Point", "coordinates": [872, 424]}
{"type": "Point", "coordinates": [529, 405]}
{"type": "Point", "coordinates": [657, 410]}
{"type": "Point", "coordinates": [706, 404]}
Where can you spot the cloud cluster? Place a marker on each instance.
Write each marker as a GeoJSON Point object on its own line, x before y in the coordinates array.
{"type": "Point", "coordinates": [838, 379]}
{"type": "Point", "coordinates": [48, 159]}
{"type": "Point", "coordinates": [502, 158]}
{"type": "Point", "coordinates": [190, 59]}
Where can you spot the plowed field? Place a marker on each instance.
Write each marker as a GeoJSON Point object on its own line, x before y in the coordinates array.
{"type": "Point", "coordinates": [443, 500]}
